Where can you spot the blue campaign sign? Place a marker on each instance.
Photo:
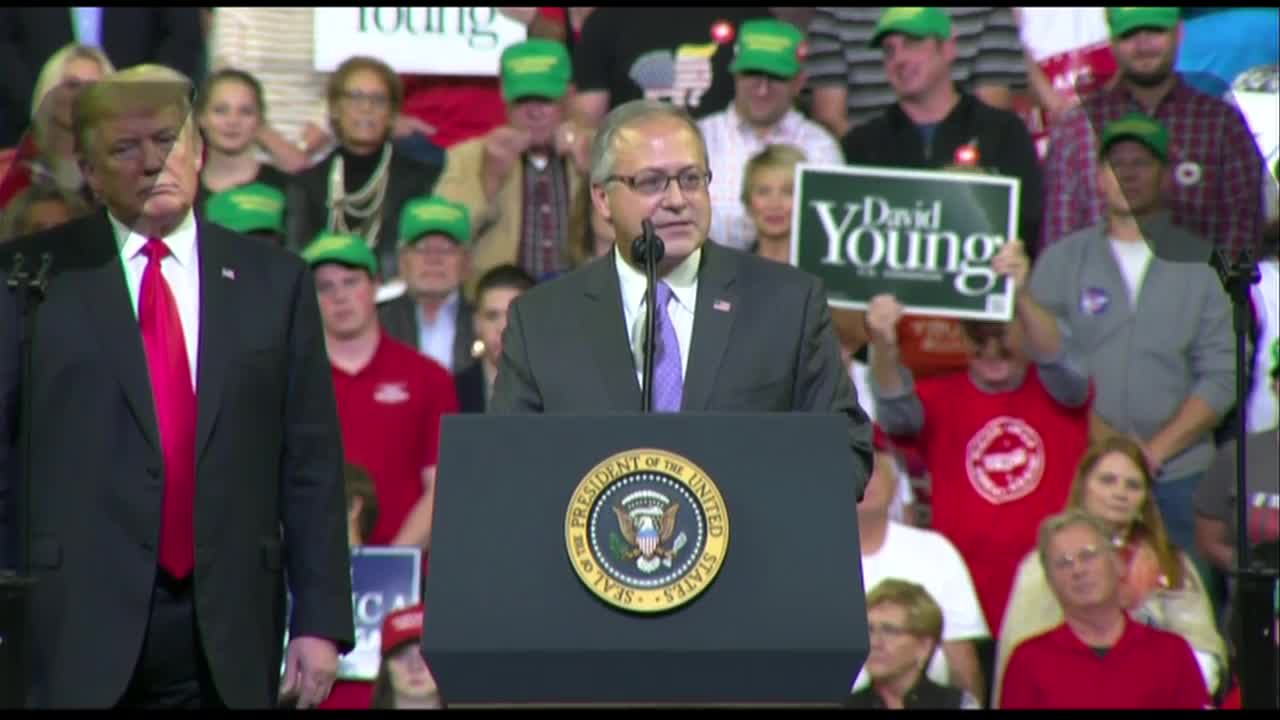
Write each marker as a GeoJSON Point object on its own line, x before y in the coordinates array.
{"type": "Point", "coordinates": [382, 579]}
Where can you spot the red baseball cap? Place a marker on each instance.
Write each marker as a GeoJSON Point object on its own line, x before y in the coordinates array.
{"type": "Point", "coordinates": [401, 626]}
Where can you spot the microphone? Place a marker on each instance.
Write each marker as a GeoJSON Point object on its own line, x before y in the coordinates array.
{"type": "Point", "coordinates": [648, 249]}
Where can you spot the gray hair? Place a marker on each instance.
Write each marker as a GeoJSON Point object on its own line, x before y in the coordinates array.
{"type": "Point", "coordinates": [625, 115]}
{"type": "Point", "coordinates": [1075, 517]}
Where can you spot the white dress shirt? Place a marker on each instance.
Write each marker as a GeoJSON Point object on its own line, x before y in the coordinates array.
{"type": "Point", "coordinates": [435, 339]}
{"type": "Point", "coordinates": [730, 144]}
{"type": "Point", "coordinates": [683, 280]}
{"type": "Point", "coordinates": [181, 270]}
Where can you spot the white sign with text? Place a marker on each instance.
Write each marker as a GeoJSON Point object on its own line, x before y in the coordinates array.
{"type": "Point", "coordinates": [416, 40]}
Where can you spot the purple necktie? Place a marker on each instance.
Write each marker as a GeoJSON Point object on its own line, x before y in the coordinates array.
{"type": "Point", "coordinates": [668, 377]}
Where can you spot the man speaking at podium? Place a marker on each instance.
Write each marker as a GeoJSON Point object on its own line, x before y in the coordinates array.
{"type": "Point", "coordinates": [733, 332]}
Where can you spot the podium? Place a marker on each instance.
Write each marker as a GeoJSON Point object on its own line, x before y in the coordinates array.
{"type": "Point", "coordinates": [560, 574]}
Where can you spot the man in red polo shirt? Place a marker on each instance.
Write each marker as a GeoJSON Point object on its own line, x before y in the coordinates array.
{"type": "Point", "coordinates": [1098, 657]}
{"type": "Point", "coordinates": [390, 401]}
{"type": "Point", "coordinates": [390, 398]}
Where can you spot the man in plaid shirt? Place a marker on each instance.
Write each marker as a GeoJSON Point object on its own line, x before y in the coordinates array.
{"type": "Point", "coordinates": [1216, 169]}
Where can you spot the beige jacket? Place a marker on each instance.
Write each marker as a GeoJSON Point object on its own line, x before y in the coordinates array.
{"type": "Point", "coordinates": [495, 227]}
{"type": "Point", "coordinates": [1033, 610]}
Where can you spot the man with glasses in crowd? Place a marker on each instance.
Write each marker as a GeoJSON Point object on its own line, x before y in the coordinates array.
{"type": "Point", "coordinates": [764, 337]}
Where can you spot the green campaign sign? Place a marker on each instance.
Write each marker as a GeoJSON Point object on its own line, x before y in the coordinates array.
{"type": "Point", "coordinates": [927, 237]}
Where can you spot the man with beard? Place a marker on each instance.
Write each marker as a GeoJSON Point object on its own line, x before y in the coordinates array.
{"type": "Point", "coordinates": [767, 78]}
{"type": "Point", "coordinates": [517, 180]}
{"type": "Point", "coordinates": [1216, 168]}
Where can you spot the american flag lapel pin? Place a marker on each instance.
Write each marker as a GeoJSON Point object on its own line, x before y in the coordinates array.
{"type": "Point", "coordinates": [722, 305]}
{"type": "Point", "coordinates": [228, 273]}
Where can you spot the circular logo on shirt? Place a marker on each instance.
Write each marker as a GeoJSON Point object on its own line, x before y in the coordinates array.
{"type": "Point", "coordinates": [1188, 173]}
{"type": "Point", "coordinates": [646, 531]}
{"type": "Point", "coordinates": [1094, 301]}
{"type": "Point", "coordinates": [1005, 460]}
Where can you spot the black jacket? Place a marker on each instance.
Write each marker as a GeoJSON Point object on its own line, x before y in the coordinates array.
{"type": "Point", "coordinates": [893, 140]}
{"type": "Point", "coordinates": [925, 695]}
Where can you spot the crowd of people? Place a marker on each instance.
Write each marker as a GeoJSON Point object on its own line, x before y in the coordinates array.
{"type": "Point", "coordinates": [1050, 518]}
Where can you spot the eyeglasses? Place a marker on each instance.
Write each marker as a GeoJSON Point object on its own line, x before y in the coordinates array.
{"type": "Point", "coordinates": [356, 97]}
{"type": "Point", "coordinates": [1084, 556]}
{"type": "Point", "coordinates": [654, 182]}
{"type": "Point", "coordinates": [892, 632]}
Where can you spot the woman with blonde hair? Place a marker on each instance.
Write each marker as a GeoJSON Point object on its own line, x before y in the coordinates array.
{"type": "Point", "coordinates": [47, 153]}
{"type": "Point", "coordinates": [768, 185]}
{"type": "Point", "coordinates": [1161, 586]}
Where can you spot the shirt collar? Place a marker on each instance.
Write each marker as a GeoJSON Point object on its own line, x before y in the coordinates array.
{"type": "Point", "coordinates": [683, 280]}
{"type": "Point", "coordinates": [181, 242]}
{"type": "Point", "coordinates": [448, 308]}
{"type": "Point", "coordinates": [1177, 95]}
{"type": "Point", "coordinates": [783, 127]}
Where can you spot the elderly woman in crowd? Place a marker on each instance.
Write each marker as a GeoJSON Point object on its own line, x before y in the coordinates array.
{"type": "Point", "coordinates": [362, 185]}
{"type": "Point", "coordinates": [40, 207]}
{"type": "Point", "coordinates": [1161, 586]}
{"type": "Point", "coordinates": [230, 112]}
{"type": "Point", "coordinates": [905, 626]}
{"type": "Point", "coordinates": [47, 155]}
{"type": "Point", "coordinates": [768, 186]}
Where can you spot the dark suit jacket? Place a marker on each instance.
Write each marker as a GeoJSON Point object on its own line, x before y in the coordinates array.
{"type": "Point", "coordinates": [10, 368]}
{"type": "Point", "coordinates": [29, 36]}
{"type": "Point", "coordinates": [269, 488]}
{"type": "Point", "coordinates": [565, 349]}
{"type": "Point", "coordinates": [307, 206]}
{"type": "Point", "coordinates": [469, 385]}
{"type": "Point", "coordinates": [400, 319]}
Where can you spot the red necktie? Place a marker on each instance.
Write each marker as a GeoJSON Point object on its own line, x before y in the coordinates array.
{"type": "Point", "coordinates": [175, 401]}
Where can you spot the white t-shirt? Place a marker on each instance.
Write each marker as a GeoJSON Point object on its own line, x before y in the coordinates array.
{"type": "Point", "coordinates": [930, 560]}
{"type": "Point", "coordinates": [1133, 258]}
{"type": "Point", "coordinates": [1262, 412]}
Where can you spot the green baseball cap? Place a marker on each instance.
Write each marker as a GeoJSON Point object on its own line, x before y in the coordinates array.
{"type": "Point", "coordinates": [423, 215]}
{"type": "Point", "coordinates": [1123, 20]}
{"type": "Point", "coordinates": [342, 248]}
{"type": "Point", "coordinates": [248, 208]}
{"type": "Point", "coordinates": [1275, 359]}
{"type": "Point", "coordinates": [535, 68]}
{"type": "Point", "coordinates": [769, 46]}
{"type": "Point", "coordinates": [913, 21]}
{"type": "Point", "coordinates": [1139, 127]}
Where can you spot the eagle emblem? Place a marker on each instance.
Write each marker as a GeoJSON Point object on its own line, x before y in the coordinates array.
{"type": "Point", "coordinates": [647, 521]}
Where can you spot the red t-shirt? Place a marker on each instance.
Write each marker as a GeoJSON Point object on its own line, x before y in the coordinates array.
{"type": "Point", "coordinates": [1147, 668]}
{"type": "Point", "coordinates": [1000, 464]}
{"type": "Point", "coordinates": [458, 107]}
{"type": "Point", "coordinates": [349, 695]}
{"type": "Point", "coordinates": [390, 415]}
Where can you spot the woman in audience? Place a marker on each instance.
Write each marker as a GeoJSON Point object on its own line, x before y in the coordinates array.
{"type": "Point", "coordinates": [230, 113]}
{"type": "Point", "coordinates": [40, 207]}
{"type": "Point", "coordinates": [47, 154]}
{"type": "Point", "coordinates": [1161, 586]}
{"type": "Point", "coordinates": [404, 682]}
{"type": "Point", "coordinates": [905, 626]}
{"type": "Point", "coordinates": [768, 184]}
{"type": "Point", "coordinates": [589, 235]}
{"type": "Point", "coordinates": [361, 186]}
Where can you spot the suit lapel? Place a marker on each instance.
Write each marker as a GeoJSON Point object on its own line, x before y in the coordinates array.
{"type": "Point", "coordinates": [604, 325]}
{"type": "Point", "coordinates": [106, 299]}
{"type": "Point", "coordinates": [218, 310]}
{"type": "Point", "coordinates": [712, 322]}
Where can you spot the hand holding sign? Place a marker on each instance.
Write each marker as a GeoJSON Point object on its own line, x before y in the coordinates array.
{"type": "Point", "coordinates": [1012, 262]}
{"type": "Point", "coordinates": [883, 314]}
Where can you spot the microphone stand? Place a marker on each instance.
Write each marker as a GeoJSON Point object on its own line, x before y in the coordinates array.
{"type": "Point", "coordinates": [648, 249]}
{"type": "Point", "coordinates": [1256, 656]}
{"type": "Point", "coordinates": [15, 590]}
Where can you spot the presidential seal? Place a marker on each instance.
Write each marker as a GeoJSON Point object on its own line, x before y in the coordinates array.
{"type": "Point", "coordinates": [646, 531]}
